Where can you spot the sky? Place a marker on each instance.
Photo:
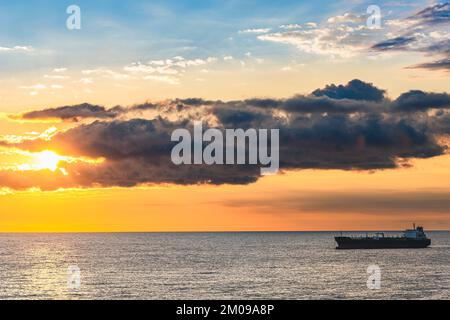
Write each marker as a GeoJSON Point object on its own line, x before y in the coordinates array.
{"type": "Point", "coordinates": [361, 102]}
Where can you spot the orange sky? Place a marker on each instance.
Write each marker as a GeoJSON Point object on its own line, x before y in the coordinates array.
{"type": "Point", "coordinates": [230, 208]}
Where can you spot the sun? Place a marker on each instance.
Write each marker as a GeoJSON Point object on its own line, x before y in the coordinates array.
{"type": "Point", "coordinates": [47, 160]}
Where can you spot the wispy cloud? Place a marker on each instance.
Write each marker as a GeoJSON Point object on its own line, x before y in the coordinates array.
{"type": "Point", "coordinates": [443, 64]}
{"type": "Point", "coordinates": [341, 36]}
{"type": "Point", "coordinates": [19, 49]}
{"type": "Point", "coordinates": [167, 70]}
{"type": "Point", "coordinates": [373, 202]}
{"type": "Point", "coordinates": [427, 32]}
{"type": "Point", "coordinates": [59, 70]}
{"type": "Point", "coordinates": [255, 30]}
{"type": "Point", "coordinates": [106, 73]}
{"type": "Point", "coordinates": [348, 35]}
{"type": "Point", "coordinates": [55, 76]}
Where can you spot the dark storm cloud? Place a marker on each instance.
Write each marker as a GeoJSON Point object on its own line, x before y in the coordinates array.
{"type": "Point", "coordinates": [263, 103]}
{"type": "Point", "coordinates": [441, 123]}
{"type": "Point", "coordinates": [75, 113]}
{"type": "Point", "coordinates": [417, 100]}
{"type": "Point", "coordinates": [118, 139]}
{"type": "Point", "coordinates": [301, 104]}
{"type": "Point", "coordinates": [312, 104]}
{"type": "Point", "coordinates": [197, 101]}
{"type": "Point", "coordinates": [83, 111]}
{"type": "Point", "coordinates": [141, 107]}
{"type": "Point", "coordinates": [241, 118]}
{"type": "Point", "coordinates": [355, 96]}
{"type": "Point", "coordinates": [136, 152]}
{"type": "Point", "coordinates": [365, 142]}
{"type": "Point", "coordinates": [335, 128]}
{"type": "Point", "coordinates": [354, 90]}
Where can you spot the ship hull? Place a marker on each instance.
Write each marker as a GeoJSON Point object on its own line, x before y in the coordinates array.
{"type": "Point", "coordinates": [381, 243]}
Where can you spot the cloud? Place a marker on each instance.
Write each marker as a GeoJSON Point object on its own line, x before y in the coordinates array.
{"type": "Point", "coordinates": [166, 71]}
{"type": "Point", "coordinates": [417, 100]}
{"type": "Point", "coordinates": [398, 43]}
{"type": "Point", "coordinates": [23, 49]}
{"type": "Point", "coordinates": [315, 105]}
{"type": "Point", "coordinates": [425, 32]}
{"type": "Point", "coordinates": [355, 96]}
{"type": "Point", "coordinates": [56, 77]}
{"type": "Point", "coordinates": [436, 14]}
{"type": "Point", "coordinates": [355, 89]}
{"type": "Point", "coordinates": [342, 36]}
{"type": "Point", "coordinates": [169, 66]}
{"type": "Point", "coordinates": [255, 30]}
{"type": "Point", "coordinates": [291, 26]}
{"type": "Point", "coordinates": [348, 127]}
{"type": "Point", "coordinates": [443, 64]}
{"type": "Point", "coordinates": [348, 17]}
{"type": "Point", "coordinates": [342, 41]}
{"type": "Point", "coordinates": [41, 87]}
{"type": "Point", "coordinates": [72, 113]}
{"type": "Point", "coordinates": [106, 73]}
{"type": "Point", "coordinates": [348, 35]}
{"type": "Point", "coordinates": [137, 151]}
{"type": "Point", "coordinates": [375, 202]}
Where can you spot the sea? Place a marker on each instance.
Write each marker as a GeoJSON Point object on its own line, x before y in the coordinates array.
{"type": "Point", "coordinates": [233, 265]}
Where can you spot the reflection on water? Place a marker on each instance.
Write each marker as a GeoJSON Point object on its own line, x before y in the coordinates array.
{"type": "Point", "coordinates": [215, 266]}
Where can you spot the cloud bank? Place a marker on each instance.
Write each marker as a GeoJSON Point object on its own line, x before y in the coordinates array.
{"type": "Point", "coordinates": [349, 127]}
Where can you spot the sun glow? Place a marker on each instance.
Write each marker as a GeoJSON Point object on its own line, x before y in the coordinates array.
{"type": "Point", "coordinates": [47, 160]}
{"type": "Point", "coordinates": [12, 159]}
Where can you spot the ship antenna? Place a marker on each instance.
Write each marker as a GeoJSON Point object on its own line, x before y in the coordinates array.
{"type": "Point", "coordinates": [414, 226]}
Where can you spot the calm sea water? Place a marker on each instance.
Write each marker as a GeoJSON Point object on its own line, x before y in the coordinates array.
{"type": "Point", "coordinates": [216, 266]}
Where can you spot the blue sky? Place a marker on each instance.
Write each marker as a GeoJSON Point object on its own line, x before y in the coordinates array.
{"type": "Point", "coordinates": [116, 32]}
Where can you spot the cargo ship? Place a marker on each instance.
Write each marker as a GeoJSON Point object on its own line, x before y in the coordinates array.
{"type": "Point", "coordinates": [411, 238]}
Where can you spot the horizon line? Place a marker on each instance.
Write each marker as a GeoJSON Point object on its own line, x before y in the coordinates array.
{"type": "Point", "coordinates": [237, 231]}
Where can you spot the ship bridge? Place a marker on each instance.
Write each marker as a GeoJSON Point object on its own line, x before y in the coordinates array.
{"type": "Point", "coordinates": [416, 233]}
